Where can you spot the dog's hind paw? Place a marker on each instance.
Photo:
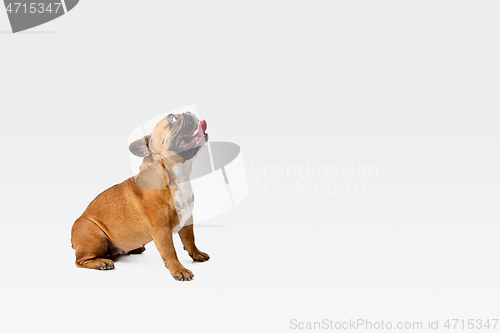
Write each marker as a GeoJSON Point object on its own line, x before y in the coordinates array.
{"type": "Point", "coordinates": [137, 251]}
{"type": "Point", "coordinates": [96, 263]}
{"type": "Point", "coordinates": [105, 264]}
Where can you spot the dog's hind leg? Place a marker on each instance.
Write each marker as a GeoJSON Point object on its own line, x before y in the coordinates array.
{"type": "Point", "coordinates": [91, 245]}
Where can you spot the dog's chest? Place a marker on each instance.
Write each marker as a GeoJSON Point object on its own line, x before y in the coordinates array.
{"type": "Point", "coordinates": [183, 196]}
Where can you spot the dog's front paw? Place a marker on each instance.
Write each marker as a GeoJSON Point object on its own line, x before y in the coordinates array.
{"type": "Point", "coordinates": [182, 274]}
{"type": "Point", "coordinates": [200, 256]}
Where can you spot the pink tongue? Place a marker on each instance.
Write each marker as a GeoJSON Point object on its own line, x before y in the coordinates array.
{"type": "Point", "coordinates": [203, 125]}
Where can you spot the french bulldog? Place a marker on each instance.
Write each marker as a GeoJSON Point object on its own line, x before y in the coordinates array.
{"type": "Point", "coordinates": [151, 206]}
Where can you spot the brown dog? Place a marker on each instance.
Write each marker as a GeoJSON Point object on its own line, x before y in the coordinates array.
{"type": "Point", "coordinates": [150, 206]}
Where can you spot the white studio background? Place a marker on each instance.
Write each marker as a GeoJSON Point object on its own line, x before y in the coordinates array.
{"type": "Point", "coordinates": [408, 89]}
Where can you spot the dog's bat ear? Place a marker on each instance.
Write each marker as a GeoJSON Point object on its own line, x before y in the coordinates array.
{"type": "Point", "coordinates": [140, 147]}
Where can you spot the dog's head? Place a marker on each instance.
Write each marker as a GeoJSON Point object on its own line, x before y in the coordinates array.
{"type": "Point", "coordinates": [176, 138]}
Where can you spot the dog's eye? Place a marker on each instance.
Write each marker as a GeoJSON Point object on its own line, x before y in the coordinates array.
{"type": "Point", "coordinates": [174, 118]}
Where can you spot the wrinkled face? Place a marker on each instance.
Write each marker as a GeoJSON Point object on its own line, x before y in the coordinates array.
{"type": "Point", "coordinates": [175, 136]}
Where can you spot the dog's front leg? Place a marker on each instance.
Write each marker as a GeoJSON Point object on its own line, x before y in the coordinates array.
{"type": "Point", "coordinates": [187, 237]}
{"type": "Point", "coordinates": [162, 236]}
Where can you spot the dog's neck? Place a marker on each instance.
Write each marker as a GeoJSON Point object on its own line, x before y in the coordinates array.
{"type": "Point", "coordinates": [152, 175]}
{"type": "Point", "coordinates": [182, 171]}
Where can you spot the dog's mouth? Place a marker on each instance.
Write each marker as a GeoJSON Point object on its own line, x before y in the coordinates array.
{"type": "Point", "coordinates": [197, 138]}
